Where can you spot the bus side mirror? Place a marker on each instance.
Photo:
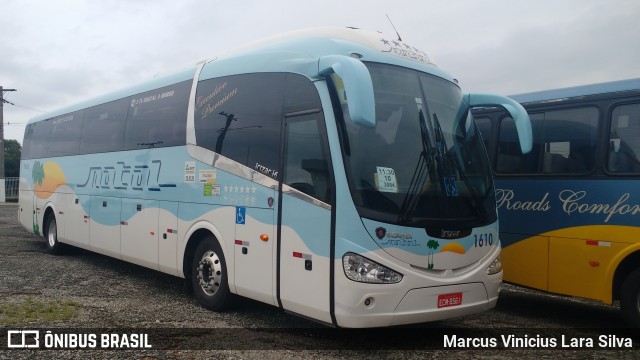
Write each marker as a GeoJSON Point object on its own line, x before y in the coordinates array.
{"type": "Point", "coordinates": [357, 84]}
{"type": "Point", "coordinates": [517, 112]}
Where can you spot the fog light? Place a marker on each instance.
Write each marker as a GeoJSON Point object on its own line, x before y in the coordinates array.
{"type": "Point", "coordinates": [495, 267]}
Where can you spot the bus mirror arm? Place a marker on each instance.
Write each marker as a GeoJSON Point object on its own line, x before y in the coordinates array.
{"type": "Point", "coordinates": [357, 85]}
{"type": "Point", "coordinates": [517, 112]}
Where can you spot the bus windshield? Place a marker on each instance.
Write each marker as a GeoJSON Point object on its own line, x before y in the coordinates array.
{"type": "Point", "coordinates": [424, 163]}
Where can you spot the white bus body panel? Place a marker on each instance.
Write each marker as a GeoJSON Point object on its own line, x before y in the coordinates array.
{"type": "Point", "coordinates": [105, 238]}
{"type": "Point", "coordinates": [254, 262]}
{"type": "Point", "coordinates": [409, 301]}
{"type": "Point", "coordinates": [76, 221]}
{"type": "Point", "coordinates": [302, 290]}
{"type": "Point", "coordinates": [139, 234]}
{"type": "Point", "coordinates": [168, 241]}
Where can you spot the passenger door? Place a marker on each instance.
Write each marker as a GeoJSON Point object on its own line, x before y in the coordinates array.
{"type": "Point", "coordinates": [305, 224]}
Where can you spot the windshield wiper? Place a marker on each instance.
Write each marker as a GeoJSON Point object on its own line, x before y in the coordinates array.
{"type": "Point", "coordinates": [423, 167]}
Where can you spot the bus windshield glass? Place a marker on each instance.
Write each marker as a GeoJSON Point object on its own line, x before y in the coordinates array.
{"type": "Point", "coordinates": [424, 164]}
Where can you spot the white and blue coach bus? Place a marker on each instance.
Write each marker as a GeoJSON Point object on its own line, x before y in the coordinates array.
{"type": "Point", "coordinates": [335, 173]}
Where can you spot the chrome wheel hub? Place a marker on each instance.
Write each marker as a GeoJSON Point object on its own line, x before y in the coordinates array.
{"type": "Point", "coordinates": [209, 273]}
{"type": "Point", "coordinates": [52, 233]}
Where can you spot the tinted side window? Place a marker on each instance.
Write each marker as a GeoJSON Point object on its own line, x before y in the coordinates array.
{"type": "Point", "coordinates": [624, 140]}
{"type": "Point", "coordinates": [564, 142]}
{"type": "Point", "coordinates": [306, 168]}
{"type": "Point", "coordinates": [66, 131]}
{"type": "Point", "coordinates": [239, 117]}
{"type": "Point", "coordinates": [104, 126]}
{"type": "Point", "coordinates": [509, 158]}
{"type": "Point", "coordinates": [484, 125]}
{"type": "Point", "coordinates": [158, 118]}
{"type": "Point", "coordinates": [26, 142]}
{"type": "Point", "coordinates": [300, 95]}
{"type": "Point", "coordinates": [36, 140]}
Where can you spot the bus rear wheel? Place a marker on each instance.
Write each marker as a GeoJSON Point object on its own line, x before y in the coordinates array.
{"type": "Point", "coordinates": [630, 299]}
{"type": "Point", "coordinates": [51, 236]}
{"type": "Point", "coordinates": [209, 277]}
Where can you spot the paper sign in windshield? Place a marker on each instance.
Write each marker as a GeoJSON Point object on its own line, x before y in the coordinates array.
{"type": "Point", "coordinates": [385, 179]}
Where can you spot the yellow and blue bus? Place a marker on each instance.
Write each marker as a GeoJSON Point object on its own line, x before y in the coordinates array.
{"type": "Point", "coordinates": [570, 209]}
{"type": "Point", "coordinates": [334, 173]}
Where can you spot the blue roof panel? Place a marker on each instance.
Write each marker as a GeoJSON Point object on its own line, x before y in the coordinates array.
{"type": "Point", "coordinates": [578, 91]}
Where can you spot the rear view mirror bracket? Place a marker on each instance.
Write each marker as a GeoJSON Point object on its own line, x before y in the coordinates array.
{"type": "Point", "coordinates": [358, 86]}
{"type": "Point", "coordinates": [517, 112]}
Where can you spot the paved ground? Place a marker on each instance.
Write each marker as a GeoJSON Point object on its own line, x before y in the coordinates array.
{"type": "Point", "coordinates": [109, 295]}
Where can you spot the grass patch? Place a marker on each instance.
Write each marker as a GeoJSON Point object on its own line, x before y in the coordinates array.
{"type": "Point", "coordinates": [34, 311]}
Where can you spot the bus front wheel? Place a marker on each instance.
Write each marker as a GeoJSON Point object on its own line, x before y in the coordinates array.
{"type": "Point", "coordinates": [630, 299]}
{"type": "Point", "coordinates": [209, 276]}
{"type": "Point", "coordinates": [51, 236]}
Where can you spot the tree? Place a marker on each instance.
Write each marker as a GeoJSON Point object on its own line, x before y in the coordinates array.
{"type": "Point", "coordinates": [432, 245]}
{"type": "Point", "coordinates": [37, 173]}
{"type": "Point", "coordinates": [12, 153]}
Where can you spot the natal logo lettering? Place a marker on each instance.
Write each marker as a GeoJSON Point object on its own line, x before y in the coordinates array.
{"type": "Point", "coordinates": [126, 177]}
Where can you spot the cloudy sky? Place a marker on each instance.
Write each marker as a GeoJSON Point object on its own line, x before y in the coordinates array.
{"type": "Point", "coordinates": [59, 52]}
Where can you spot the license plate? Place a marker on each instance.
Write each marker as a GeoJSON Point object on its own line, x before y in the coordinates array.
{"type": "Point", "coordinates": [446, 300]}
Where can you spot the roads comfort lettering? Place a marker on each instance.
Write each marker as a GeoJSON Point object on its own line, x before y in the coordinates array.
{"type": "Point", "coordinates": [571, 202]}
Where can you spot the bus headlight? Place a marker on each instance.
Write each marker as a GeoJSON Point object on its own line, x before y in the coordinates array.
{"type": "Point", "coordinates": [359, 268]}
{"type": "Point", "coordinates": [495, 267]}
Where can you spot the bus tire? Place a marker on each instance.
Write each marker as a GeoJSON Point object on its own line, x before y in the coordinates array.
{"type": "Point", "coordinates": [54, 247]}
{"type": "Point", "coordinates": [209, 276]}
{"type": "Point", "coordinates": [630, 299]}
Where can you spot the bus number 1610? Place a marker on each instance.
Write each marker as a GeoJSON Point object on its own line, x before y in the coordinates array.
{"type": "Point", "coordinates": [483, 240]}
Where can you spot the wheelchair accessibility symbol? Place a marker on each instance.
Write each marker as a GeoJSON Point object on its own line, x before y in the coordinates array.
{"type": "Point", "coordinates": [240, 215]}
{"type": "Point", "coordinates": [450, 186]}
